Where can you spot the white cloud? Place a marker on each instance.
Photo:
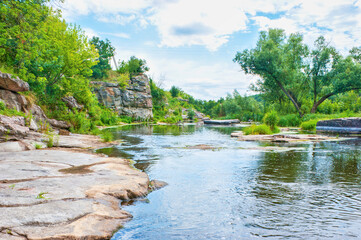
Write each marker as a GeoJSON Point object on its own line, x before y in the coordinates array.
{"type": "Point", "coordinates": [118, 35]}
{"type": "Point", "coordinates": [90, 32]}
{"type": "Point", "coordinates": [85, 7]}
{"type": "Point", "coordinates": [207, 23]}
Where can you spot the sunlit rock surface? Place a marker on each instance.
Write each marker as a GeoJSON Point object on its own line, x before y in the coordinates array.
{"type": "Point", "coordinates": [135, 100]}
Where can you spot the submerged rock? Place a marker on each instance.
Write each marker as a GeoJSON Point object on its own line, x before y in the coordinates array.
{"type": "Point", "coordinates": [156, 184]}
{"type": "Point", "coordinates": [201, 147]}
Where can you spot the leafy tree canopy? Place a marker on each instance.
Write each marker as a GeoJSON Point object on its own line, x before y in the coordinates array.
{"type": "Point", "coordinates": [286, 66]}
{"type": "Point", "coordinates": [105, 51]}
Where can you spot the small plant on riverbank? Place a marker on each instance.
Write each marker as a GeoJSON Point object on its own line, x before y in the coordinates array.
{"type": "Point", "coordinates": [309, 125]}
{"type": "Point", "coordinates": [41, 195]}
{"type": "Point", "coordinates": [38, 146]}
{"type": "Point", "coordinates": [271, 119]}
{"type": "Point", "coordinates": [107, 137]}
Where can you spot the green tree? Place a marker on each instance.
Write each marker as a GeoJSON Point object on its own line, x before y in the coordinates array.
{"type": "Point", "coordinates": [286, 66]}
{"type": "Point", "coordinates": [106, 52]}
{"type": "Point", "coordinates": [134, 66]}
{"type": "Point", "coordinates": [174, 91]}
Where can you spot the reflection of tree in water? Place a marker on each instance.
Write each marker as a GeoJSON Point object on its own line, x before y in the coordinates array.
{"type": "Point", "coordinates": [345, 166]}
{"type": "Point", "coordinates": [275, 170]}
{"type": "Point", "coordinates": [174, 130]}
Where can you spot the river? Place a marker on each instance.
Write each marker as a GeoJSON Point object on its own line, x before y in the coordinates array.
{"type": "Point", "coordinates": [240, 190]}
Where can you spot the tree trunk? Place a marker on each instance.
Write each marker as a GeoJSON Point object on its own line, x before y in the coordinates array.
{"type": "Point", "coordinates": [294, 101]}
{"type": "Point", "coordinates": [318, 103]}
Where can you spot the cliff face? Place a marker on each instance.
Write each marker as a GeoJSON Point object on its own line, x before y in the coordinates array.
{"type": "Point", "coordinates": [135, 100]}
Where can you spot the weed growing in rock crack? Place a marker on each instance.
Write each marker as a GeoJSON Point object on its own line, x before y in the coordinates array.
{"type": "Point", "coordinates": [38, 146]}
{"type": "Point", "coordinates": [41, 195]}
{"type": "Point", "coordinates": [12, 186]}
{"type": "Point", "coordinates": [50, 141]}
{"type": "Point", "coordinates": [7, 135]}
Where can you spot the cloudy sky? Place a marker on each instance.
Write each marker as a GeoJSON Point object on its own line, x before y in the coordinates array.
{"type": "Point", "coordinates": [191, 43]}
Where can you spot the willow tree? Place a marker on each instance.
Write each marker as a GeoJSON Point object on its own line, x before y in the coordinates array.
{"type": "Point", "coordinates": [278, 60]}
{"type": "Point", "coordinates": [286, 65]}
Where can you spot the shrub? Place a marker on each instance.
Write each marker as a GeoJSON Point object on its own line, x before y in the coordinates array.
{"type": "Point", "coordinates": [107, 136]}
{"type": "Point", "coordinates": [38, 146]}
{"type": "Point", "coordinates": [50, 140]}
{"type": "Point", "coordinates": [257, 130]}
{"type": "Point", "coordinates": [191, 114]}
{"type": "Point", "coordinates": [271, 119]}
{"type": "Point", "coordinates": [290, 120]}
{"type": "Point", "coordinates": [309, 125]}
{"type": "Point", "coordinates": [2, 106]}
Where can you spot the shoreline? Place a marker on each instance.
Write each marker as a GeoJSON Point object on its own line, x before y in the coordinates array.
{"type": "Point", "coordinates": [67, 192]}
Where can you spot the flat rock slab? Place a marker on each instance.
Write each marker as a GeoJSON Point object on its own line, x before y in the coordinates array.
{"type": "Point", "coordinates": [58, 194]}
{"type": "Point", "coordinates": [221, 122]}
{"type": "Point", "coordinates": [341, 125]}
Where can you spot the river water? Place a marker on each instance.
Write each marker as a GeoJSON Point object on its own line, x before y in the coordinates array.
{"type": "Point", "coordinates": [241, 190]}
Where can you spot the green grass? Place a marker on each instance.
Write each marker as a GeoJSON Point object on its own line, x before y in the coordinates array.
{"type": "Point", "coordinates": [258, 130]}
{"type": "Point", "coordinates": [9, 112]}
{"type": "Point", "coordinates": [38, 146]}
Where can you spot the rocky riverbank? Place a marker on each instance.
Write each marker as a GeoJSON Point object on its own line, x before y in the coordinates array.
{"type": "Point", "coordinates": [66, 193]}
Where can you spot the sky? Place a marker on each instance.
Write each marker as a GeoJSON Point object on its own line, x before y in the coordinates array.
{"type": "Point", "coordinates": [191, 43]}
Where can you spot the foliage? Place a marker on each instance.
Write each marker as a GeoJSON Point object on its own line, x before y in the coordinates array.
{"type": "Point", "coordinates": [134, 66]}
{"type": "Point", "coordinates": [257, 130]}
{"type": "Point", "coordinates": [309, 125]}
{"type": "Point", "coordinates": [38, 146]}
{"type": "Point", "coordinates": [290, 70]}
{"type": "Point", "coordinates": [174, 91]}
{"type": "Point", "coordinates": [191, 114]}
{"type": "Point", "coordinates": [271, 119]}
{"type": "Point", "coordinates": [290, 120]}
{"type": "Point", "coordinates": [105, 51]}
{"type": "Point", "coordinates": [107, 136]}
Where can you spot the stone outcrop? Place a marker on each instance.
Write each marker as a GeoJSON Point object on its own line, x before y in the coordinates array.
{"type": "Point", "coordinates": [9, 86]}
{"type": "Point", "coordinates": [72, 103]}
{"type": "Point", "coordinates": [13, 126]}
{"type": "Point", "coordinates": [341, 125]}
{"type": "Point", "coordinates": [14, 100]}
{"type": "Point", "coordinates": [15, 84]}
{"type": "Point", "coordinates": [135, 100]}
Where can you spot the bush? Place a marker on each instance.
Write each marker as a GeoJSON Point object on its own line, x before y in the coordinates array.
{"type": "Point", "coordinates": [309, 125]}
{"type": "Point", "coordinates": [271, 119]}
{"type": "Point", "coordinates": [290, 120]}
{"type": "Point", "coordinates": [191, 114]}
{"type": "Point", "coordinates": [2, 106]}
{"type": "Point", "coordinates": [257, 130]}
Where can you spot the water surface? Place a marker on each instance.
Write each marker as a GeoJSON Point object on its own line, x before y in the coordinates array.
{"type": "Point", "coordinates": [241, 190]}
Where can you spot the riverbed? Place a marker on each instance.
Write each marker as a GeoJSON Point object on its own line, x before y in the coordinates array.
{"type": "Point", "coordinates": [240, 190]}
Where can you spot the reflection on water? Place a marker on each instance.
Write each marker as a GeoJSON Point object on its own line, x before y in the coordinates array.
{"type": "Point", "coordinates": [312, 191]}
